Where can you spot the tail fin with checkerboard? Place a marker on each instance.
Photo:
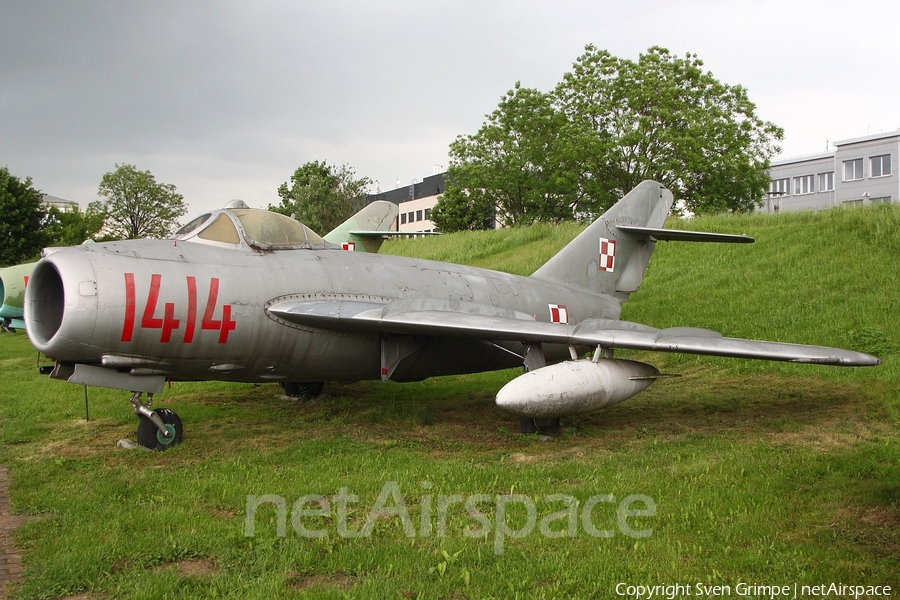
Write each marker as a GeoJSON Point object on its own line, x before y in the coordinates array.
{"type": "Point", "coordinates": [611, 255]}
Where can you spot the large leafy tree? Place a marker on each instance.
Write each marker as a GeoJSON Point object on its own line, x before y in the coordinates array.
{"type": "Point", "coordinates": [137, 206]}
{"type": "Point", "coordinates": [21, 219]}
{"type": "Point", "coordinates": [663, 117]}
{"type": "Point", "coordinates": [608, 125]}
{"type": "Point", "coordinates": [513, 166]}
{"type": "Point", "coordinates": [322, 196]}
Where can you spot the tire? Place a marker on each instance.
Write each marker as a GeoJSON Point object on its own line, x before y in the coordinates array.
{"type": "Point", "coordinates": [548, 426]}
{"type": "Point", "coordinates": [526, 425]}
{"type": "Point", "coordinates": [303, 391]}
{"type": "Point", "coordinates": [540, 426]}
{"type": "Point", "coordinates": [150, 437]}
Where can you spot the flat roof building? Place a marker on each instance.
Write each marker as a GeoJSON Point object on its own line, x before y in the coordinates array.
{"type": "Point", "coordinates": [415, 201]}
{"type": "Point", "coordinates": [861, 170]}
{"type": "Point", "coordinates": [59, 203]}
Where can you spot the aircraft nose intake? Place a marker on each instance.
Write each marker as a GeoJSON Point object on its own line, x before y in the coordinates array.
{"type": "Point", "coordinates": [52, 299]}
{"type": "Point", "coordinates": [45, 304]}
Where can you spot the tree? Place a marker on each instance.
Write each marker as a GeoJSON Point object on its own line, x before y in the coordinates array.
{"type": "Point", "coordinates": [70, 228]}
{"type": "Point", "coordinates": [136, 206]}
{"type": "Point", "coordinates": [608, 125]}
{"type": "Point", "coordinates": [322, 196]}
{"type": "Point", "coordinates": [21, 219]}
{"type": "Point", "coordinates": [664, 118]}
{"type": "Point", "coordinates": [456, 210]}
{"type": "Point", "coordinates": [512, 166]}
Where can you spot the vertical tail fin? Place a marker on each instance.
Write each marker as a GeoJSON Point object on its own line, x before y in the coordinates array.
{"type": "Point", "coordinates": [363, 227]}
{"type": "Point", "coordinates": [604, 259]}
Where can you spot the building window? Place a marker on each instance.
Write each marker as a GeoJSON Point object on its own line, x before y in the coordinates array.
{"type": "Point", "coordinates": [409, 217]}
{"type": "Point", "coordinates": [427, 214]}
{"type": "Point", "coordinates": [826, 182]}
{"type": "Point", "coordinates": [780, 187]}
{"type": "Point", "coordinates": [403, 218]}
{"type": "Point", "coordinates": [880, 166]}
{"type": "Point", "coordinates": [857, 202]}
{"type": "Point", "coordinates": [881, 200]}
{"type": "Point", "coordinates": [804, 185]}
{"type": "Point", "coordinates": [853, 169]}
{"type": "Point", "coordinates": [418, 215]}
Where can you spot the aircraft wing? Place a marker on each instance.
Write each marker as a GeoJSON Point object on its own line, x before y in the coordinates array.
{"type": "Point", "coordinates": [387, 234]}
{"type": "Point", "coordinates": [442, 318]}
{"type": "Point", "coordinates": [691, 340]}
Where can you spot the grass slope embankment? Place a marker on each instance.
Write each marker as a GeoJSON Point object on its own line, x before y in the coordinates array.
{"type": "Point", "coordinates": [760, 472]}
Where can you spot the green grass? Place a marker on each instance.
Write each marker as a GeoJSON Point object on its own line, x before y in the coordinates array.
{"type": "Point", "coordinates": [762, 472]}
{"type": "Point", "coordinates": [519, 250]}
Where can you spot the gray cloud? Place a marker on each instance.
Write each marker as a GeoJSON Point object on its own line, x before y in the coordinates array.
{"type": "Point", "coordinates": [226, 99]}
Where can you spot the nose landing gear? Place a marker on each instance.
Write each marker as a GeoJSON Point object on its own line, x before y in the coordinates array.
{"type": "Point", "coordinates": [158, 429]}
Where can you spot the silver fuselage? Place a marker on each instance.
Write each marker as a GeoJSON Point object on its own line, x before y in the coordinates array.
{"type": "Point", "coordinates": [192, 311]}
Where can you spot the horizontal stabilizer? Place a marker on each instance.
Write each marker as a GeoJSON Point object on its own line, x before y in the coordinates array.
{"type": "Point", "coordinates": [679, 235]}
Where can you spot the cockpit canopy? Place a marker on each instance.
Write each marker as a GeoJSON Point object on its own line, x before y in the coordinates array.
{"type": "Point", "coordinates": [253, 227]}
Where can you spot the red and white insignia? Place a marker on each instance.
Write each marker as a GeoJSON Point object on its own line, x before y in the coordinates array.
{"type": "Point", "coordinates": [607, 261]}
{"type": "Point", "coordinates": [558, 313]}
{"type": "Point", "coordinates": [351, 246]}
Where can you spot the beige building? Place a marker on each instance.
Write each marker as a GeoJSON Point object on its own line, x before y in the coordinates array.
{"type": "Point", "coordinates": [415, 201]}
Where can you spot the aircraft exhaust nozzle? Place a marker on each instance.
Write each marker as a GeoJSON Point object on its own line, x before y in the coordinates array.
{"type": "Point", "coordinates": [574, 387]}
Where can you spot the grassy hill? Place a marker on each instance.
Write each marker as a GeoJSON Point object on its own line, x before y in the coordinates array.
{"type": "Point", "coordinates": [759, 472]}
{"type": "Point", "coordinates": [830, 278]}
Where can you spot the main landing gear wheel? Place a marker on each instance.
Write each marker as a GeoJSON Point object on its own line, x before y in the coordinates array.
{"type": "Point", "coordinates": [540, 426]}
{"type": "Point", "coordinates": [149, 435]}
{"type": "Point", "coordinates": [303, 391]}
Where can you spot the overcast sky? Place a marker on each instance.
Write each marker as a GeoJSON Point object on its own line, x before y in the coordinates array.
{"type": "Point", "coordinates": [224, 99]}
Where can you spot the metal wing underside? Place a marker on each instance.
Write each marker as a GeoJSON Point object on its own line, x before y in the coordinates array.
{"type": "Point", "coordinates": [678, 235]}
{"type": "Point", "coordinates": [475, 321]}
{"type": "Point", "coordinates": [389, 234]}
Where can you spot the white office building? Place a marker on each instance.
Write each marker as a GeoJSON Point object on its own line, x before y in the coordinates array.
{"type": "Point", "coordinates": [58, 203]}
{"type": "Point", "coordinates": [861, 170]}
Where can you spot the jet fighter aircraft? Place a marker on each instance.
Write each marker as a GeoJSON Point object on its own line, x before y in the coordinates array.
{"type": "Point", "coordinates": [363, 232]}
{"type": "Point", "coordinates": [12, 294]}
{"type": "Point", "coordinates": [253, 296]}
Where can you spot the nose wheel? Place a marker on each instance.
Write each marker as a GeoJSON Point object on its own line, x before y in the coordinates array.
{"type": "Point", "coordinates": [158, 429]}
